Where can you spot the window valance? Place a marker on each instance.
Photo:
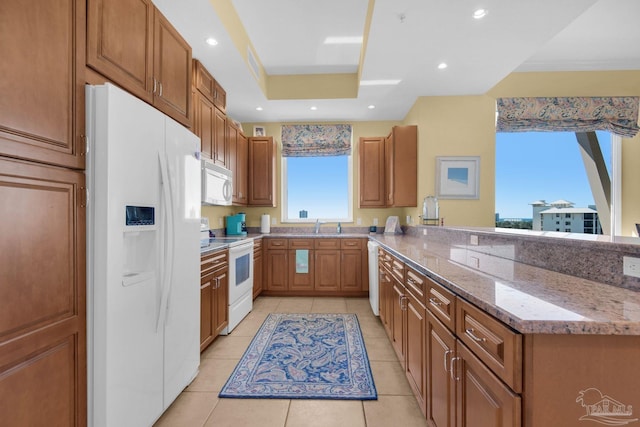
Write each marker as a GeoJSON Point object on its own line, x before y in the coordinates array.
{"type": "Point", "coordinates": [574, 114]}
{"type": "Point", "coordinates": [316, 140]}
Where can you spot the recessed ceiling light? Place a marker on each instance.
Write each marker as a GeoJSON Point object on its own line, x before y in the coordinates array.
{"type": "Point", "coordinates": [480, 13]}
{"type": "Point", "coordinates": [259, 108]}
{"type": "Point", "coordinates": [379, 82]}
{"type": "Point", "coordinates": [343, 40]}
{"type": "Point", "coordinates": [314, 108]}
{"type": "Point", "coordinates": [371, 107]}
{"type": "Point", "coordinates": [442, 66]}
{"type": "Point", "coordinates": [211, 41]}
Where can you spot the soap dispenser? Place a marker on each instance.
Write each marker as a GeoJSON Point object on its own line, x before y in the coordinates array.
{"type": "Point", "coordinates": [339, 228]}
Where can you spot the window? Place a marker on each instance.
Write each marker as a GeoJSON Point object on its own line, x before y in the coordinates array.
{"type": "Point", "coordinates": [547, 167]}
{"type": "Point", "coordinates": [317, 188]}
{"type": "Point", "coordinates": [567, 230]}
{"type": "Point", "coordinates": [567, 223]}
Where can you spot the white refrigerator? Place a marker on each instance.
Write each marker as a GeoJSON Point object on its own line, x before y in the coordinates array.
{"type": "Point", "coordinates": [143, 259]}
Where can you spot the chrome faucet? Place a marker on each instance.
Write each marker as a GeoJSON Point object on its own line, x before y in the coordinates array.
{"type": "Point", "coordinates": [316, 230]}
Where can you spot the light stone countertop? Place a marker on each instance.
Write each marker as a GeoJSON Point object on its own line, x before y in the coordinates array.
{"type": "Point", "coordinates": [529, 299]}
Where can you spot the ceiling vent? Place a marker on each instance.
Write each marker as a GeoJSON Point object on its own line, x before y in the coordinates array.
{"type": "Point", "coordinates": [253, 63]}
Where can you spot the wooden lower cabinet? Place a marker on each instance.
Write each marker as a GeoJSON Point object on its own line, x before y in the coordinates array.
{"type": "Point", "coordinates": [398, 320]}
{"type": "Point", "coordinates": [315, 266]}
{"type": "Point", "coordinates": [258, 268]}
{"type": "Point", "coordinates": [461, 390]}
{"type": "Point", "coordinates": [276, 256]}
{"type": "Point", "coordinates": [482, 400]}
{"type": "Point", "coordinates": [214, 296]}
{"type": "Point", "coordinates": [416, 325]}
{"type": "Point", "coordinates": [327, 271]}
{"type": "Point", "coordinates": [301, 265]}
{"type": "Point", "coordinates": [385, 289]}
{"type": "Point", "coordinates": [441, 387]}
{"type": "Point", "coordinates": [42, 292]}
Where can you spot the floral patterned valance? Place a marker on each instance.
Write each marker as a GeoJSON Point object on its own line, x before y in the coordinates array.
{"type": "Point", "coordinates": [576, 114]}
{"type": "Point", "coordinates": [316, 140]}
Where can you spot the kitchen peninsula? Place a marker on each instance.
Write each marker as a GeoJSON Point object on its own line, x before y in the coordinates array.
{"type": "Point", "coordinates": [488, 338]}
{"type": "Point", "coordinates": [519, 344]}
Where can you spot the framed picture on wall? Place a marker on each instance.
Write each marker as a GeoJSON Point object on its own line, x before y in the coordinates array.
{"type": "Point", "coordinates": [259, 131]}
{"type": "Point", "coordinates": [457, 177]}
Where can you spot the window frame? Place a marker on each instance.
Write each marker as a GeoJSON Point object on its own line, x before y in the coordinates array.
{"type": "Point", "coordinates": [312, 220]}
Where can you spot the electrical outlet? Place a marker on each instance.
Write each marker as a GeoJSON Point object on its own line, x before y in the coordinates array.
{"type": "Point", "coordinates": [375, 221]}
{"type": "Point", "coordinates": [220, 222]}
{"type": "Point", "coordinates": [631, 266]}
{"type": "Point", "coordinates": [424, 231]}
{"type": "Point", "coordinates": [408, 219]}
{"type": "Point", "coordinates": [273, 221]}
{"type": "Point", "coordinates": [359, 221]}
{"type": "Point", "coordinates": [473, 240]}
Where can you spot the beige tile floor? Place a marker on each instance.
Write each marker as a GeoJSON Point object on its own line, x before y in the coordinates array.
{"type": "Point", "coordinates": [199, 405]}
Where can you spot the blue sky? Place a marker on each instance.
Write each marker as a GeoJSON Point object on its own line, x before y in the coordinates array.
{"type": "Point", "coordinates": [541, 165]}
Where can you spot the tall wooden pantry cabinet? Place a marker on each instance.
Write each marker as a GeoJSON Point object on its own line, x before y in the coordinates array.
{"type": "Point", "coordinates": [42, 213]}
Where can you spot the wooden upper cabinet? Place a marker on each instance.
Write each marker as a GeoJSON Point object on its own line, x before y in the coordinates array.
{"type": "Point", "coordinates": [203, 81]}
{"type": "Point", "coordinates": [172, 71]}
{"type": "Point", "coordinates": [389, 169]}
{"type": "Point", "coordinates": [220, 154]}
{"type": "Point", "coordinates": [210, 122]}
{"type": "Point", "coordinates": [132, 44]}
{"type": "Point", "coordinates": [239, 158]}
{"type": "Point", "coordinates": [204, 123]}
{"type": "Point", "coordinates": [401, 150]}
{"type": "Point", "coordinates": [219, 97]}
{"type": "Point", "coordinates": [262, 162]}
{"type": "Point", "coordinates": [372, 188]}
{"type": "Point", "coordinates": [120, 43]}
{"type": "Point", "coordinates": [42, 69]}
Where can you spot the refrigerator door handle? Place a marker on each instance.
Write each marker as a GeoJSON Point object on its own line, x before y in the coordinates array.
{"type": "Point", "coordinates": [169, 236]}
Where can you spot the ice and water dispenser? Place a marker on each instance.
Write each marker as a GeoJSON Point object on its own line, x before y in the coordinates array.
{"type": "Point", "coordinates": [140, 245]}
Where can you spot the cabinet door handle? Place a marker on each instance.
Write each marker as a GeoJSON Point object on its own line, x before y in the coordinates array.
{"type": "Point", "coordinates": [435, 302]}
{"type": "Point", "coordinates": [160, 88]}
{"type": "Point", "coordinates": [455, 376]}
{"type": "Point", "coordinates": [470, 332]}
{"type": "Point", "coordinates": [446, 353]}
{"type": "Point", "coordinates": [155, 84]}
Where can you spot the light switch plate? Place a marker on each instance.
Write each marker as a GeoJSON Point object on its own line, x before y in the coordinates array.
{"type": "Point", "coordinates": [631, 266]}
{"type": "Point", "coordinates": [375, 221]}
{"type": "Point", "coordinates": [473, 240]}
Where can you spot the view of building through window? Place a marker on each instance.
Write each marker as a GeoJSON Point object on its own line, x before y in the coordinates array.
{"type": "Point", "coordinates": [541, 182]}
{"type": "Point", "coordinates": [317, 188]}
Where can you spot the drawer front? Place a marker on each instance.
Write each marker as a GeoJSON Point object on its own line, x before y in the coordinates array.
{"type": "Point", "coordinates": [442, 303]}
{"type": "Point", "coordinates": [327, 243]}
{"type": "Point", "coordinates": [300, 243]}
{"type": "Point", "coordinates": [276, 243]}
{"type": "Point", "coordinates": [257, 245]}
{"type": "Point", "coordinates": [499, 347]}
{"type": "Point", "coordinates": [213, 261]}
{"type": "Point", "coordinates": [351, 244]}
{"type": "Point", "coordinates": [392, 264]}
{"type": "Point", "coordinates": [415, 283]}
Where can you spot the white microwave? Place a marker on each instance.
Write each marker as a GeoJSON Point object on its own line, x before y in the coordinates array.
{"type": "Point", "coordinates": [217, 184]}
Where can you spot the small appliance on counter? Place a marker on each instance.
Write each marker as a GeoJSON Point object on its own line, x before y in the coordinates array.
{"type": "Point", "coordinates": [204, 232]}
{"type": "Point", "coordinates": [236, 225]}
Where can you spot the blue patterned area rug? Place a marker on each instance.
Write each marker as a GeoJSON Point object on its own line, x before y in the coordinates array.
{"type": "Point", "coordinates": [304, 356]}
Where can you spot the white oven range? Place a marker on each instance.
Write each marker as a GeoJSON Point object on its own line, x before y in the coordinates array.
{"type": "Point", "coordinates": [240, 279]}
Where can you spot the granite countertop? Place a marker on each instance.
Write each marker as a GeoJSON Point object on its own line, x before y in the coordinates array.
{"type": "Point", "coordinates": [529, 299]}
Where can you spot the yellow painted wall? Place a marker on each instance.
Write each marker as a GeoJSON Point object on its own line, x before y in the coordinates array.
{"type": "Point", "coordinates": [456, 126]}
